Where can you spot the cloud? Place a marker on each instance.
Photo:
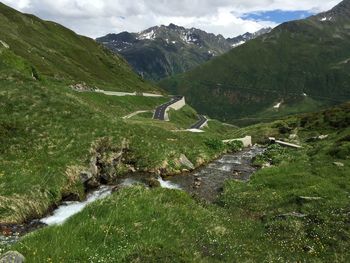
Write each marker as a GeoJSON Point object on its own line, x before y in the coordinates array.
{"type": "Point", "coordinates": [98, 17]}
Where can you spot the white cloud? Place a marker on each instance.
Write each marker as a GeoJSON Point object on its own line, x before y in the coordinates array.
{"type": "Point", "coordinates": [98, 17]}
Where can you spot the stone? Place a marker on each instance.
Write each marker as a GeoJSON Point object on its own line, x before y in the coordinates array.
{"type": "Point", "coordinates": [4, 44]}
{"type": "Point", "coordinates": [310, 198]}
{"type": "Point", "coordinates": [292, 214]}
{"type": "Point", "coordinates": [266, 165]}
{"type": "Point", "coordinates": [81, 87]}
{"type": "Point", "coordinates": [93, 166]}
{"type": "Point", "coordinates": [85, 177]}
{"type": "Point", "coordinates": [339, 164]}
{"type": "Point", "coordinates": [317, 138]}
{"type": "Point", "coordinates": [116, 188]}
{"type": "Point", "coordinates": [183, 160]}
{"type": "Point", "coordinates": [89, 180]}
{"type": "Point", "coordinates": [153, 182]}
{"type": "Point", "coordinates": [131, 169]}
{"type": "Point", "coordinates": [12, 257]}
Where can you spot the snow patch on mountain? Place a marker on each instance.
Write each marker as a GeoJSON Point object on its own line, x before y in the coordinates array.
{"type": "Point", "coordinates": [147, 35]}
{"type": "Point", "coordinates": [239, 43]}
{"type": "Point", "coordinates": [278, 105]}
{"type": "Point", "coordinates": [188, 38]}
{"type": "Point", "coordinates": [324, 19]}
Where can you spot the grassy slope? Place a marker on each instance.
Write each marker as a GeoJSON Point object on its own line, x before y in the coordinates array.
{"type": "Point", "coordinates": [296, 57]}
{"type": "Point", "coordinates": [244, 226]}
{"type": "Point", "coordinates": [45, 128]}
{"type": "Point", "coordinates": [57, 52]}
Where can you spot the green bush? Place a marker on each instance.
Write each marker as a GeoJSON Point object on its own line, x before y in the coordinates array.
{"type": "Point", "coordinates": [215, 144]}
{"type": "Point", "coordinates": [235, 146]}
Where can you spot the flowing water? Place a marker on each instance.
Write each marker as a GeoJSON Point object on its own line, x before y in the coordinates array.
{"type": "Point", "coordinates": [68, 209]}
{"type": "Point", "coordinates": [206, 183]}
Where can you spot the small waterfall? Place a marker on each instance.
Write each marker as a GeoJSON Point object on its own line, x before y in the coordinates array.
{"type": "Point", "coordinates": [68, 209]}
{"type": "Point", "coordinates": [168, 184]}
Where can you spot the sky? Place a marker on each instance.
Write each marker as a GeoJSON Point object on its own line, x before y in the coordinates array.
{"type": "Point", "coordinates": [95, 18]}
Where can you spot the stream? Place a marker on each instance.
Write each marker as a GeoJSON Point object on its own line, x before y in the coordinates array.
{"type": "Point", "coordinates": [205, 183]}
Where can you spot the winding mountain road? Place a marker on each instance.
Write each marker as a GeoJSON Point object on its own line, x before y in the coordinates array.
{"type": "Point", "coordinates": [160, 112]}
{"type": "Point", "coordinates": [198, 125]}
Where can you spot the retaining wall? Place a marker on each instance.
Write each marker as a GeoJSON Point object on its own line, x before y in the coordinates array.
{"type": "Point", "coordinates": [176, 106]}
{"type": "Point", "coordinates": [247, 141]}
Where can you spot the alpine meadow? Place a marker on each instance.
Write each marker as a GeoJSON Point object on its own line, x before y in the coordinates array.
{"type": "Point", "coordinates": [222, 137]}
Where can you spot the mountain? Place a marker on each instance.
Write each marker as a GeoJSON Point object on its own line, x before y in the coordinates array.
{"type": "Point", "coordinates": [299, 66]}
{"type": "Point", "coordinates": [57, 52]}
{"type": "Point", "coordinates": [241, 39]}
{"type": "Point", "coordinates": [162, 51]}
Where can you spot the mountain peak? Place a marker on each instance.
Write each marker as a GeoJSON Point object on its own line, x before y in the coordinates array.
{"type": "Point", "coordinates": [339, 12]}
{"type": "Point", "coordinates": [161, 51]}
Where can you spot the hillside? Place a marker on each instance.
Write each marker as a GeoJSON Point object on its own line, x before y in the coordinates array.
{"type": "Point", "coordinates": [163, 51]}
{"type": "Point", "coordinates": [299, 66]}
{"type": "Point", "coordinates": [58, 53]}
{"type": "Point", "coordinates": [49, 132]}
{"type": "Point", "coordinates": [296, 209]}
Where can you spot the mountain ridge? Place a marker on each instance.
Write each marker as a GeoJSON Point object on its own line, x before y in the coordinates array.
{"type": "Point", "coordinates": [303, 57]}
{"type": "Point", "coordinates": [161, 51]}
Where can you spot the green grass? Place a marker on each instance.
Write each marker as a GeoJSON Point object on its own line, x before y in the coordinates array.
{"type": "Point", "coordinates": [46, 128]}
{"type": "Point", "coordinates": [115, 106]}
{"type": "Point", "coordinates": [249, 223]}
{"type": "Point", "coordinates": [184, 117]}
{"type": "Point", "coordinates": [56, 52]}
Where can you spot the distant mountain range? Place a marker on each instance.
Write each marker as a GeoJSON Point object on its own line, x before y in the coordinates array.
{"type": "Point", "coordinates": [299, 66]}
{"type": "Point", "coordinates": [162, 51]}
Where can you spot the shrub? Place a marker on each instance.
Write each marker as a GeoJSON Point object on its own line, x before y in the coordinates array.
{"type": "Point", "coordinates": [235, 146]}
{"type": "Point", "coordinates": [215, 144]}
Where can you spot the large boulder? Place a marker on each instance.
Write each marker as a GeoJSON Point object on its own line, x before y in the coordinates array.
{"type": "Point", "coordinates": [153, 182]}
{"type": "Point", "coordinates": [12, 257]}
{"type": "Point", "coordinates": [184, 162]}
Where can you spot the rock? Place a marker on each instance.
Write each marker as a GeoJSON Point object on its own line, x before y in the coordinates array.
{"type": "Point", "coordinates": [197, 182]}
{"type": "Point", "coordinates": [116, 188]}
{"type": "Point", "coordinates": [131, 169]}
{"type": "Point", "coordinates": [339, 164]}
{"type": "Point", "coordinates": [82, 87]}
{"type": "Point", "coordinates": [323, 137]}
{"type": "Point", "coordinates": [293, 136]}
{"type": "Point", "coordinates": [5, 45]}
{"type": "Point", "coordinates": [185, 162]}
{"type": "Point", "coordinates": [292, 214]}
{"type": "Point", "coordinates": [93, 166]}
{"type": "Point", "coordinates": [153, 182]}
{"type": "Point", "coordinates": [317, 138]}
{"type": "Point", "coordinates": [12, 257]}
{"type": "Point", "coordinates": [71, 197]}
{"type": "Point", "coordinates": [266, 165]}
{"type": "Point", "coordinates": [88, 180]}
{"type": "Point", "coordinates": [200, 161]}
{"type": "Point", "coordinates": [236, 173]}
{"type": "Point", "coordinates": [85, 176]}
{"type": "Point", "coordinates": [309, 198]}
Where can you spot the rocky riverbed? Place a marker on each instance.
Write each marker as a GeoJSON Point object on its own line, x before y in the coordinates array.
{"type": "Point", "coordinates": [205, 183]}
{"type": "Point", "coordinates": [208, 182]}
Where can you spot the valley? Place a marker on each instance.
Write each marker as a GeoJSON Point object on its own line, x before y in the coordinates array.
{"type": "Point", "coordinates": [99, 163]}
{"type": "Point", "coordinates": [163, 51]}
{"type": "Point", "coordinates": [297, 58]}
